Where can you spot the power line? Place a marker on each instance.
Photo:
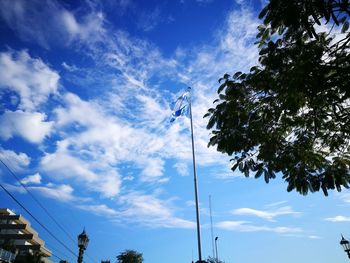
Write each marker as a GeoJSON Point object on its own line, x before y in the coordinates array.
{"type": "Point", "coordinates": [53, 255]}
{"type": "Point", "coordinates": [64, 255]}
{"type": "Point", "coordinates": [44, 227]}
{"type": "Point", "coordinates": [37, 201]}
{"type": "Point", "coordinates": [42, 207]}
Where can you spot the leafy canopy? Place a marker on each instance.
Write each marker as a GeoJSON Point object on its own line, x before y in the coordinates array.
{"type": "Point", "coordinates": [291, 113]}
{"type": "Point", "coordinates": [130, 256]}
{"type": "Point", "coordinates": [213, 260]}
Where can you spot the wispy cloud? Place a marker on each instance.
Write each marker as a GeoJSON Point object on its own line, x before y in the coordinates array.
{"type": "Point", "coordinates": [345, 197]}
{"type": "Point", "coordinates": [101, 210]}
{"type": "Point", "coordinates": [338, 219]}
{"type": "Point", "coordinates": [16, 161]}
{"type": "Point", "coordinates": [142, 209]}
{"type": "Point", "coordinates": [268, 214]}
{"type": "Point", "coordinates": [58, 192]}
{"type": "Point", "coordinates": [32, 179]}
{"type": "Point", "coordinates": [127, 123]}
{"type": "Point", "coordinates": [68, 67]}
{"type": "Point", "coordinates": [29, 77]}
{"type": "Point", "coordinates": [17, 122]}
{"type": "Point", "coordinates": [62, 193]}
{"type": "Point", "coordinates": [48, 22]}
{"type": "Point", "coordinates": [243, 226]}
{"type": "Point", "coordinates": [148, 21]}
{"type": "Point", "coordinates": [314, 237]}
{"type": "Point", "coordinates": [182, 168]}
{"type": "Point", "coordinates": [276, 204]}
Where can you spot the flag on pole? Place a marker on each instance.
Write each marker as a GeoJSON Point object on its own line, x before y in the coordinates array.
{"type": "Point", "coordinates": [181, 105]}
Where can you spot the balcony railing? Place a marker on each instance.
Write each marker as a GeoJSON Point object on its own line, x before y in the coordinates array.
{"type": "Point", "coordinates": [6, 255]}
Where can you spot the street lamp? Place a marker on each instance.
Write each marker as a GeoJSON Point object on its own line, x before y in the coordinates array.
{"type": "Point", "coordinates": [83, 241]}
{"type": "Point", "coordinates": [216, 249]}
{"type": "Point", "coordinates": [345, 244]}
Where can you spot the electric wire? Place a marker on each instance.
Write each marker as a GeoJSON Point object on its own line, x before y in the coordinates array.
{"type": "Point", "coordinates": [38, 202]}
{"type": "Point", "coordinates": [53, 255]}
{"type": "Point", "coordinates": [36, 220]}
{"type": "Point", "coordinates": [57, 251]}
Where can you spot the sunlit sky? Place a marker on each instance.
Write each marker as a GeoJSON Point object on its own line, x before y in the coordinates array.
{"type": "Point", "coordinates": [86, 89]}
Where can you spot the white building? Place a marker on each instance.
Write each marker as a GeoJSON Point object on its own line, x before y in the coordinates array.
{"type": "Point", "coordinates": [16, 232]}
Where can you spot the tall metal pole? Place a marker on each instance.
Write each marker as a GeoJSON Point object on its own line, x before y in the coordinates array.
{"type": "Point", "coordinates": [216, 248]}
{"type": "Point", "coordinates": [211, 226]}
{"type": "Point", "coordinates": [81, 253]}
{"type": "Point", "coordinates": [195, 189]}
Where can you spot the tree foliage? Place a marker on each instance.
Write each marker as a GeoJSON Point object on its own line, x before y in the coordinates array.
{"type": "Point", "coordinates": [130, 256]}
{"type": "Point", "coordinates": [291, 113]}
{"type": "Point", "coordinates": [35, 257]}
{"type": "Point", "coordinates": [213, 260]}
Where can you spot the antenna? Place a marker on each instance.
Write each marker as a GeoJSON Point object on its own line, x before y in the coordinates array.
{"type": "Point", "coordinates": [211, 227]}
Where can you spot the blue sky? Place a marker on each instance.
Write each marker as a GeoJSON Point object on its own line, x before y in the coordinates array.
{"type": "Point", "coordinates": [86, 89]}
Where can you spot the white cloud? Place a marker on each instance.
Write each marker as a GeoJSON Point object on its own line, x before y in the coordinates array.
{"type": "Point", "coordinates": [32, 179]}
{"type": "Point", "coordinates": [141, 209]}
{"type": "Point", "coordinates": [48, 23]}
{"type": "Point", "coordinates": [109, 185]}
{"type": "Point", "coordinates": [70, 68]}
{"type": "Point", "coordinates": [16, 161]}
{"type": "Point", "coordinates": [338, 219]}
{"type": "Point", "coordinates": [89, 30]}
{"type": "Point", "coordinates": [153, 169]}
{"type": "Point", "coordinates": [30, 126]}
{"type": "Point", "coordinates": [269, 215]}
{"type": "Point", "coordinates": [128, 178]}
{"type": "Point", "coordinates": [62, 193]}
{"type": "Point", "coordinates": [344, 196]}
{"type": "Point", "coordinates": [70, 22]}
{"type": "Point", "coordinates": [181, 168]}
{"type": "Point", "coordinates": [314, 237]}
{"type": "Point", "coordinates": [243, 226]}
{"type": "Point", "coordinates": [62, 165]}
{"type": "Point", "coordinates": [99, 135]}
{"type": "Point", "coordinates": [276, 204]}
{"type": "Point", "coordinates": [148, 21]}
{"type": "Point", "coordinates": [29, 77]}
{"type": "Point", "coordinates": [108, 138]}
{"type": "Point", "coordinates": [101, 210]}
{"type": "Point", "coordinates": [151, 211]}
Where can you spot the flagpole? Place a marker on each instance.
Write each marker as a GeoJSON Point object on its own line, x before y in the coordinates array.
{"type": "Point", "coordinates": [211, 227]}
{"type": "Point", "coordinates": [195, 188]}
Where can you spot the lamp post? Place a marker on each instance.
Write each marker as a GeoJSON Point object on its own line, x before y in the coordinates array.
{"type": "Point", "coordinates": [345, 244]}
{"type": "Point", "coordinates": [216, 249]}
{"type": "Point", "coordinates": [83, 241]}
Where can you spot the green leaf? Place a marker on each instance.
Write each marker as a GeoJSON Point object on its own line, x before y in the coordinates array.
{"type": "Point", "coordinates": [263, 12]}
{"type": "Point", "coordinates": [345, 27]}
{"type": "Point", "coordinates": [237, 74]}
{"type": "Point", "coordinates": [207, 115]}
{"type": "Point", "coordinates": [263, 113]}
{"type": "Point", "coordinates": [343, 19]}
{"type": "Point", "coordinates": [259, 173]}
{"type": "Point", "coordinates": [222, 86]}
{"type": "Point", "coordinates": [234, 167]}
{"type": "Point", "coordinates": [246, 171]}
{"type": "Point", "coordinates": [266, 176]}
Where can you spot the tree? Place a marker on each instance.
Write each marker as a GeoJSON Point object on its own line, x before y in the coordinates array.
{"type": "Point", "coordinates": [130, 256]}
{"type": "Point", "coordinates": [213, 260]}
{"type": "Point", "coordinates": [35, 257]}
{"type": "Point", "coordinates": [291, 113]}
